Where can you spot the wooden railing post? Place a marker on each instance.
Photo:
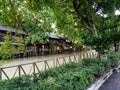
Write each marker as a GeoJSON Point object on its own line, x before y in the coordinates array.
{"type": "Point", "coordinates": [79, 57]}
{"type": "Point", "coordinates": [70, 61]}
{"type": "Point", "coordinates": [33, 68]}
{"type": "Point", "coordinates": [57, 62]}
{"type": "Point", "coordinates": [45, 65]}
{"type": "Point", "coordinates": [0, 73]}
{"type": "Point", "coordinates": [19, 71]}
{"type": "Point", "coordinates": [34, 76]}
{"type": "Point", "coordinates": [54, 63]}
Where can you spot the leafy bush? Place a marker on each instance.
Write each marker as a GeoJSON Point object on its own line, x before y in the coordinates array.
{"type": "Point", "coordinates": [106, 63]}
{"type": "Point", "coordinates": [98, 66]}
{"type": "Point", "coordinates": [7, 49]}
{"type": "Point", "coordinates": [114, 58]}
{"type": "Point", "coordinates": [72, 76]}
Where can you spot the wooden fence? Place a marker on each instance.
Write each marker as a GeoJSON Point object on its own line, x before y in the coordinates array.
{"type": "Point", "coordinates": [8, 72]}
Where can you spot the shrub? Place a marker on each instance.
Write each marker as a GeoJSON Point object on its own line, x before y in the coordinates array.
{"type": "Point", "coordinates": [106, 64]}
{"type": "Point", "coordinates": [114, 58]}
{"type": "Point", "coordinates": [72, 76]}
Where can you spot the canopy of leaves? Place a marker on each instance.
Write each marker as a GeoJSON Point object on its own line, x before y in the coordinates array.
{"type": "Point", "coordinates": [16, 13]}
{"type": "Point", "coordinates": [95, 19]}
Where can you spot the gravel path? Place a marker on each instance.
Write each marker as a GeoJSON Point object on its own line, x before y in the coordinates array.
{"type": "Point", "coordinates": [113, 83]}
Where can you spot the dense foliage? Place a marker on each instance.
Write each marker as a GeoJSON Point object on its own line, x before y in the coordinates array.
{"type": "Point", "coordinates": [93, 23]}
{"type": "Point", "coordinates": [16, 13]}
{"type": "Point", "coordinates": [73, 18]}
{"type": "Point", "coordinates": [7, 49]}
{"type": "Point", "coordinates": [73, 76]}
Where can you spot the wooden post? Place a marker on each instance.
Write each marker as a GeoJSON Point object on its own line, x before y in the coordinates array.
{"type": "Point", "coordinates": [33, 68]}
{"type": "Point", "coordinates": [34, 71]}
{"type": "Point", "coordinates": [45, 65]}
{"type": "Point", "coordinates": [0, 73]}
{"type": "Point", "coordinates": [19, 71]}
{"type": "Point", "coordinates": [79, 57]}
{"type": "Point", "coordinates": [54, 63]}
{"type": "Point", "coordinates": [70, 61]}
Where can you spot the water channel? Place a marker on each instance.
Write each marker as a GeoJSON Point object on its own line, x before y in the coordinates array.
{"type": "Point", "coordinates": [21, 66]}
{"type": "Point", "coordinates": [38, 58]}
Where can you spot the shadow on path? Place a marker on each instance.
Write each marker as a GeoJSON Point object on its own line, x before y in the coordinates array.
{"type": "Point", "coordinates": [113, 83]}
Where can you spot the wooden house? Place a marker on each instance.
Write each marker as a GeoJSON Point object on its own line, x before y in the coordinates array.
{"type": "Point", "coordinates": [55, 43]}
{"type": "Point", "coordinates": [14, 34]}
{"type": "Point", "coordinates": [13, 31]}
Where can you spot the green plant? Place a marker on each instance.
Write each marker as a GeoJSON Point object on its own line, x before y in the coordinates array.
{"type": "Point", "coordinates": [72, 76]}
{"type": "Point", "coordinates": [114, 58]}
{"type": "Point", "coordinates": [21, 46]}
{"type": "Point", "coordinates": [7, 48]}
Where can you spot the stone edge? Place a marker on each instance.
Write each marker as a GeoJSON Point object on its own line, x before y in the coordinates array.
{"type": "Point", "coordinates": [97, 84]}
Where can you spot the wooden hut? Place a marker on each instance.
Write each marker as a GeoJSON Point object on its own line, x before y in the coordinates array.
{"type": "Point", "coordinates": [14, 33]}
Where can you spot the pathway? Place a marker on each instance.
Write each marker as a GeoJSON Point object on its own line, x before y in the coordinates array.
{"type": "Point", "coordinates": [113, 83]}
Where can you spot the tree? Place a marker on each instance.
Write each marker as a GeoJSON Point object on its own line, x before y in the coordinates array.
{"type": "Point", "coordinates": [10, 14]}
{"type": "Point", "coordinates": [74, 18]}
{"type": "Point", "coordinates": [98, 19]}
{"type": "Point", "coordinates": [7, 49]}
{"type": "Point", "coordinates": [64, 15]}
{"type": "Point", "coordinates": [20, 44]}
{"type": "Point", "coordinates": [37, 27]}
{"type": "Point", "coordinates": [20, 15]}
{"type": "Point", "coordinates": [89, 15]}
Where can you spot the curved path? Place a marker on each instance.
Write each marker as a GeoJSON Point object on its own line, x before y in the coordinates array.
{"type": "Point", "coordinates": [113, 83]}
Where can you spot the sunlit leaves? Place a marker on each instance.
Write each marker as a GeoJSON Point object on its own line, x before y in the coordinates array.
{"type": "Point", "coordinates": [37, 24]}
{"type": "Point", "coordinates": [7, 49]}
{"type": "Point", "coordinates": [71, 17]}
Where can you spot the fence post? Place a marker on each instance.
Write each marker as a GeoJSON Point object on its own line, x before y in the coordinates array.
{"type": "Point", "coordinates": [33, 68]}
{"type": "Point", "coordinates": [0, 73]}
{"type": "Point", "coordinates": [93, 54]}
{"type": "Point", "coordinates": [54, 63]}
{"type": "Point", "coordinates": [79, 57]}
{"type": "Point", "coordinates": [45, 64]}
{"type": "Point", "coordinates": [19, 71]}
{"type": "Point", "coordinates": [70, 61]}
{"type": "Point", "coordinates": [34, 75]}
{"type": "Point", "coordinates": [88, 55]}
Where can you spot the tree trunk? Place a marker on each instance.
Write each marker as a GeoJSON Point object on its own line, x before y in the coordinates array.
{"type": "Point", "coordinates": [94, 28]}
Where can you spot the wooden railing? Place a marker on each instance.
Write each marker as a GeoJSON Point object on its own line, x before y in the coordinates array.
{"type": "Point", "coordinates": [8, 72]}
